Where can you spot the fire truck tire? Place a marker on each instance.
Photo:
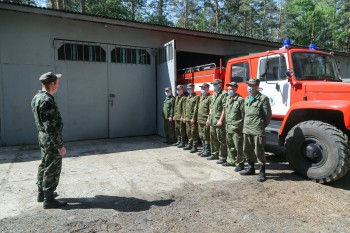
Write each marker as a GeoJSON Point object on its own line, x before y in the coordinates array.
{"type": "Point", "coordinates": [318, 151]}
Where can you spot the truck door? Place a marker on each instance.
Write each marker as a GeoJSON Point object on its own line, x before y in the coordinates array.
{"type": "Point", "coordinates": [166, 75]}
{"type": "Point", "coordinates": [274, 83]}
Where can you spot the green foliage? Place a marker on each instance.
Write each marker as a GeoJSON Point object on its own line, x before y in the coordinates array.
{"type": "Point", "coordinates": [324, 22]}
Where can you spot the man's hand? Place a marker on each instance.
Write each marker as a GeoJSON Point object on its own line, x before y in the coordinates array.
{"type": "Point", "coordinates": [192, 121]}
{"type": "Point", "coordinates": [219, 124]}
{"type": "Point", "coordinates": [173, 118]}
{"type": "Point", "coordinates": [207, 123]}
{"type": "Point", "coordinates": [170, 119]}
{"type": "Point", "coordinates": [62, 151]}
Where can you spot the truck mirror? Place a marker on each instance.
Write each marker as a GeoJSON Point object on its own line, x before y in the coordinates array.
{"type": "Point", "coordinates": [278, 88]}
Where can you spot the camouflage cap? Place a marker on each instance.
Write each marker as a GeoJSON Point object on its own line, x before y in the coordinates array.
{"type": "Point", "coordinates": [204, 85]}
{"type": "Point", "coordinates": [168, 89]}
{"type": "Point", "coordinates": [232, 84]}
{"type": "Point", "coordinates": [216, 81]}
{"type": "Point", "coordinates": [179, 86]}
{"type": "Point", "coordinates": [190, 85]}
{"type": "Point", "coordinates": [49, 77]}
{"type": "Point", "coordinates": [254, 81]}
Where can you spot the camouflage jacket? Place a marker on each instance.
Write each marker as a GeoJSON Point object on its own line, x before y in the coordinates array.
{"type": "Point", "coordinates": [257, 114]}
{"type": "Point", "coordinates": [217, 106]}
{"type": "Point", "coordinates": [191, 107]}
{"type": "Point", "coordinates": [48, 120]}
{"type": "Point", "coordinates": [203, 108]}
{"type": "Point", "coordinates": [168, 107]}
{"type": "Point", "coordinates": [179, 106]}
{"type": "Point", "coordinates": [234, 114]}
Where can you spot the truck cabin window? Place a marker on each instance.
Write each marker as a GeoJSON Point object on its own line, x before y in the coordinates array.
{"type": "Point", "coordinates": [313, 66]}
{"type": "Point", "coordinates": [275, 70]}
{"type": "Point", "coordinates": [240, 72]}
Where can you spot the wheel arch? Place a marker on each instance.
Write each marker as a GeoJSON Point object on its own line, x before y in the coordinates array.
{"type": "Point", "coordinates": [331, 116]}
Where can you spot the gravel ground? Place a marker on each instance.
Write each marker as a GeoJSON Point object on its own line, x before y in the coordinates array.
{"type": "Point", "coordinates": [173, 191]}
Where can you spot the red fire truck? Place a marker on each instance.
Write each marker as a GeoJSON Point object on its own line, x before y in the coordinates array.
{"type": "Point", "coordinates": [309, 101]}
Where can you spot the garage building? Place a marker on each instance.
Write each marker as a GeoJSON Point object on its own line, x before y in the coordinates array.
{"type": "Point", "coordinates": [114, 71]}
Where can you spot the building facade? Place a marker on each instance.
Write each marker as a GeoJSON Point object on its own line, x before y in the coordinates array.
{"type": "Point", "coordinates": [114, 71]}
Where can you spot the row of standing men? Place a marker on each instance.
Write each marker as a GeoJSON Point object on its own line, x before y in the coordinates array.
{"type": "Point", "coordinates": [231, 129]}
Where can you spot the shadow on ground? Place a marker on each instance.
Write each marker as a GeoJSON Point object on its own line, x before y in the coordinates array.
{"type": "Point", "coordinates": [84, 148]}
{"type": "Point", "coordinates": [122, 204]}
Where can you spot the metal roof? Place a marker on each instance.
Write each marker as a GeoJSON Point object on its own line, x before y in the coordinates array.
{"type": "Point", "coordinates": [141, 25]}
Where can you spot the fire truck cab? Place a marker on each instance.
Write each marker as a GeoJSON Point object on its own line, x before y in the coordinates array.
{"type": "Point", "coordinates": [310, 106]}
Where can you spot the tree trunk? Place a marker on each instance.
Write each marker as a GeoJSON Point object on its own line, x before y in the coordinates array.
{"type": "Point", "coordinates": [251, 23]}
{"type": "Point", "coordinates": [263, 21]}
{"type": "Point", "coordinates": [132, 9]}
{"type": "Point", "coordinates": [52, 4]}
{"type": "Point", "coordinates": [82, 2]}
{"type": "Point", "coordinates": [245, 24]}
{"type": "Point", "coordinates": [217, 14]}
{"type": "Point", "coordinates": [280, 21]}
{"type": "Point", "coordinates": [349, 36]}
{"type": "Point", "coordinates": [59, 5]}
{"type": "Point", "coordinates": [160, 8]}
{"type": "Point", "coordinates": [186, 14]}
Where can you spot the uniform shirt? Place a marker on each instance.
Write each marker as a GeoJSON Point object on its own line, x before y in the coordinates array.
{"type": "Point", "coordinates": [179, 106]}
{"type": "Point", "coordinates": [203, 108]}
{"type": "Point", "coordinates": [191, 106]}
{"type": "Point", "coordinates": [168, 107]}
{"type": "Point", "coordinates": [216, 106]}
{"type": "Point", "coordinates": [48, 120]}
{"type": "Point", "coordinates": [234, 114]}
{"type": "Point", "coordinates": [257, 114]}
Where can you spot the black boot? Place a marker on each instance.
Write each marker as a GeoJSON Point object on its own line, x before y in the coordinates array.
{"type": "Point", "coordinates": [50, 202]}
{"type": "Point", "coordinates": [181, 144]}
{"type": "Point", "coordinates": [240, 167]}
{"type": "Point", "coordinates": [250, 170]}
{"type": "Point", "coordinates": [41, 194]}
{"type": "Point", "coordinates": [178, 142]}
{"type": "Point", "coordinates": [194, 149]}
{"type": "Point", "coordinates": [206, 152]}
{"type": "Point", "coordinates": [203, 149]}
{"type": "Point", "coordinates": [262, 175]}
{"type": "Point", "coordinates": [188, 147]}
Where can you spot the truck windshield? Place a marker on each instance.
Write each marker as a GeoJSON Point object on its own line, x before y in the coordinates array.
{"type": "Point", "coordinates": [315, 66]}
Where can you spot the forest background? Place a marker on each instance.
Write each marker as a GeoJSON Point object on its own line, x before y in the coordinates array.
{"type": "Point", "coordinates": [324, 22]}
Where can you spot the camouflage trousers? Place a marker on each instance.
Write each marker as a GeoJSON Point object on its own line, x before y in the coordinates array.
{"type": "Point", "coordinates": [192, 133]}
{"type": "Point", "coordinates": [169, 130]}
{"type": "Point", "coordinates": [254, 148]}
{"type": "Point", "coordinates": [180, 130]}
{"type": "Point", "coordinates": [204, 133]}
{"type": "Point", "coordinates": [218, 142]}
{"type": "Point", "coordinates": [234, 143]}
{"type": "Point", "coordinates": [49, 170]}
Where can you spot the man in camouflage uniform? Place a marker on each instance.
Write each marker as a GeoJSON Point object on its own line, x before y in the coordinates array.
{"type": "Point", "coordinates": [180, 126]}
{"type": "Point", "coordinates": [49, 124]}
{"type": "Point", "coordinates": [203, 113]}
{"type": "Point", "coordinates": [168, 114]}
{"type": "Point", "coordinates": [217, 126]}
{"type": "Point", "coordinates": [258, 114]}
{"type": "Point", "coordinates": [191, 112]}
{"type": "Point", "coordinates": [234, 115]}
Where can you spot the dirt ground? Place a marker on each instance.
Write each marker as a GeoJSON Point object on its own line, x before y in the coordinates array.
{"type": "Point", "coordinates": [142, 185]}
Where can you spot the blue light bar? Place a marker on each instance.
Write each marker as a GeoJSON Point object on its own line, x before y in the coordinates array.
{"type": "Point", "coordinates": [312, 47]}
{"type": "Point", "coordinates": [287, 44]}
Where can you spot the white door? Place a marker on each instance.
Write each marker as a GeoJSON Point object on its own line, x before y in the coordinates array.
{"type": "Point", "coordinates": [131, 91]}
{"type": "Point", "coordinates": [166, 77]}
{"type": "Point", "coordinates": [274, 82]}
{"type": "Point", "coordinates": [83, 89]}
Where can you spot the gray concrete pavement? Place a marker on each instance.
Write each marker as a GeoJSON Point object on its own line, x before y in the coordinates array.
{"type": "Point", "coordinates": [140, 167]}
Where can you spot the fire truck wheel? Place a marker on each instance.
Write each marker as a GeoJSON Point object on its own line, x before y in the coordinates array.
{"type": "Point", "coordinates": [318, 151]}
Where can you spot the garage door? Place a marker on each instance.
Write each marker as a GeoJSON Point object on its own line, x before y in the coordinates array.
{"type": "Point", "coordinates": [107, 91]}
